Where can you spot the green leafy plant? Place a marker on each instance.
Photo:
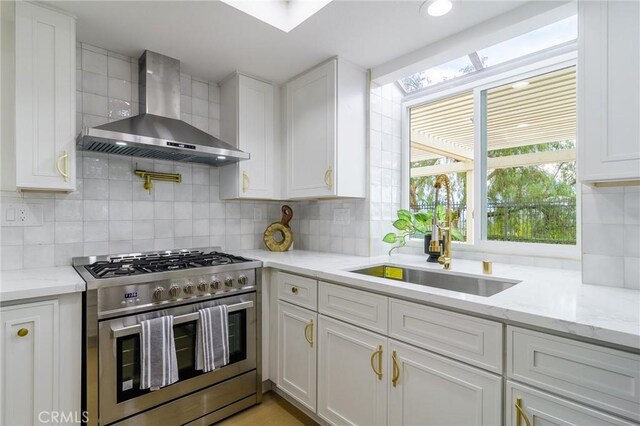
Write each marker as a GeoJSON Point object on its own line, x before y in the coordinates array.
{"type": "Point", "coordinates": [411, 224]}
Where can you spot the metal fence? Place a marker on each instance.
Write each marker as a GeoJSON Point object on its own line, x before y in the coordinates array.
{"type": "Point", "coordinates": [551, 222]}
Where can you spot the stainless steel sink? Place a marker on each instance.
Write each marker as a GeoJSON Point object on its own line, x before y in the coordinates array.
{"type": "Point", "coordinates": [479, 286]}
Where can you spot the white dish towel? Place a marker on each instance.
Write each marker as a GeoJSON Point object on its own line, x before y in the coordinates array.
{"type": "Point", "coordinates": [212, 338]}
{"type": "Point", "coordinates": [158, 362]}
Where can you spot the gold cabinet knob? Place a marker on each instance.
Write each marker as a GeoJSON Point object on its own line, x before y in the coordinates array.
{"type": "Point", "coordinates": [22, 332]}
{"type": "Point", "coordinates": [294, 290]}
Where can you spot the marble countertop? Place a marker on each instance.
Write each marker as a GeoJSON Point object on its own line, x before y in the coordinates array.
{"type": "Point", "coordinates": [39, 282]}
{"type": "Point", "coordinates": [553, 299]}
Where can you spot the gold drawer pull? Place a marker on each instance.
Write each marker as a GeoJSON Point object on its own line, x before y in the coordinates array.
{"type": "Point", "coordinates": [328, 178]}
{"type": "Point", "coordinates": [396, 369]}
{"type": "Point", "coordinates": [308, 333]}
{"type": "Point", "coordinates": [23, 332]}
{"type": "Point", "coordinates": [245, 181]}
{"type": "Point", "coordinates": [378, 371]}
{"type": "Point", "coordinates": [294, 290]}
{"type": "Point", "coordinates": [520, 414]}
{"type": "Point", "coordinates": [65, 173]}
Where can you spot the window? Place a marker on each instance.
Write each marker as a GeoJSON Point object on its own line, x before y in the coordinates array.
{"type": "Point", "coordinates": [531, 169]}
{"type": "Point", "coordinates": [547, 37]}
{"type": "Point", "coordinates": [442, 143]}
{"type": "Point", "coordinates": [507, 143]}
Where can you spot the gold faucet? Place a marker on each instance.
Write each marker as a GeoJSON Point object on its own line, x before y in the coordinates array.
{"type": "Point", "coordinates": [438, 230]}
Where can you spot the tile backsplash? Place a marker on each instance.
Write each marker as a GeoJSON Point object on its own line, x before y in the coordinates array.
{"type": "Point", "coordinates": [110, 212]}
{"type": "Point", "coordinates": [611, 236]}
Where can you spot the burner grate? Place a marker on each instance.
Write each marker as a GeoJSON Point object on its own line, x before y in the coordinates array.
{"type": "Point", "coordinates": [159, 262]}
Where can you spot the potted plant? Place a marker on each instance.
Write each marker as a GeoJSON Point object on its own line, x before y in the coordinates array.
{"type": "Point", "coordinates": [411, 224]}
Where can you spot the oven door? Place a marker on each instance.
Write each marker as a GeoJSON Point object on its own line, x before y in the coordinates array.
{"type": "Point", "coordinates": [120, 395]}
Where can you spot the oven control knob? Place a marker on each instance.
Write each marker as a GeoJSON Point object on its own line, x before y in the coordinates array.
{"type": "Point", "coordinates": [174, 290]}
{"type": "Point", "coordinates": [158, 293]}
{"type": "Point", "coordinates": [215, 285]}
{"type": "Point", "coordinates": [188, 288]}
{"type": "Point", "coordinates": [202, 286]}
{"type": "Point", "coordinates": [228, 282]}
{"type": "Point", "coordinates": [242, 280]}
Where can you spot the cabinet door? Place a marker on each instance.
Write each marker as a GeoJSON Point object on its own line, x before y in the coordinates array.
{"type": "Point", "coordinates": [350, 390]}
{"type": "Point", "coordinates": [255, 136]}
{"type": "Point", "coordinates": [430, 389]}
{"type": "Point", "coordinates": [609, 90]}
{"type": "Point", "coordinates": [45, 99]}
{"type": "Point", "coordinates": [541, 408]}
{"type": "Point", "coordinates": [28, 362]}
{"type": "Point", "coordinates": [311, 133]}
{"type": "Point", "coordinates": [297, 353]}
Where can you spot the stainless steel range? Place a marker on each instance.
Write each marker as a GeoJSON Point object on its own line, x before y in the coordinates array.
{"type": "Point", "coordinates": [124, 290]}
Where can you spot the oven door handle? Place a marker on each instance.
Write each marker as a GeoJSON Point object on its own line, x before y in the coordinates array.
{"type": "Point", "coordinates": [135, 329]}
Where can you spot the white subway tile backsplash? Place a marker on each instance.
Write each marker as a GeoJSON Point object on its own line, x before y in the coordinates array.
{"type": "Point", "coordinates": [120, 89]}
{"type": "Point", "coordinates": [93, 61]}
{"type": "Point", "coordinates": [95, 104]}
{"type": "Point", "coordinates": [68, 210]}
{"type": "Point", "coordinates": [120, 190]}
{"type": "Point", "coordinates": [95, 210]}
{"type": "Point", "coordinates": [119, 68]}
{"type": "Point", "coordinates": [631, 207]}
{"type": "Point", "coordinates": [94, 83]}
{"type": "Point", "coordinates": [199, 90]}
{"type": "Point", "coordinates": [95, 231]}
{"type": "Point", "coordinates": [632, 272]}
{"type": "Point", "coordinates": [163, 210]}
{"type": "Point", "coordinates": [603, 270]}
{"type": "Point", "coordinates": [44, 234]}
{"type": "Point", "coordinates": [143, 230]}
{"type": "Point", "coordinates": [120, 210]}
{"type": "Point", "coordinates": [68, 232]}
{"type": "Point", "coordinates": [143, 210]}
{"type": "Point", "coordinates": [163, 228]}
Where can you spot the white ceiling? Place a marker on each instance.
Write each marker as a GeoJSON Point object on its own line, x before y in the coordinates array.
{"type": "Point", "coordinates": [212, 39]}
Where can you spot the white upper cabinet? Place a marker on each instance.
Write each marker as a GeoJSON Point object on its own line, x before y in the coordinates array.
{"type": "Point", "coordinates": [45, 110]}
{"type": "Point", "coordinates": [326, 132]}
{"type": "Point", "coordinates": [247, 121]}
{"type": "Point", "coordinates": [609, 91]}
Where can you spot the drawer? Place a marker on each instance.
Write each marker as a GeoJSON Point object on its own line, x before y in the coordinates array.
{"type": "Point", "coordinates": [298, 290]}
{"type": "Point", "coordinates": [472, 340]}
{"type": "Point", "coordinates": [542, 408]}
{"type": "Point", "coordinates": [354, 306]}
{"type": "Point", "coordinates": [602, 377]}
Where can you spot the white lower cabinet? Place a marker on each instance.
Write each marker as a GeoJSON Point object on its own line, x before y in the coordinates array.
{"type": "Point", "coordinates": [527, 406]}
{"type": "Point", "coordinates": [40, 359]}
{"type": "Point", "coordinates": [297, 353]}
{"type": "Point", "coordinates": [353, 381]}
{"type": "Point", "coordinates": [428, 389]}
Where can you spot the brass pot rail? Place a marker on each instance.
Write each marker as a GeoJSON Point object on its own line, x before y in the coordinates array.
{"type": "Point", "coordinates": [151, 176]}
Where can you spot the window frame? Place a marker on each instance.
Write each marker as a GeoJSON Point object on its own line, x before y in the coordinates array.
{"type": "Point", "coordinates": [477, 242]}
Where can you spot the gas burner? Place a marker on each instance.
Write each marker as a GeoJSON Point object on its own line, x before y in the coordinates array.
{"type": "Point", "coordinates": [119, 266]}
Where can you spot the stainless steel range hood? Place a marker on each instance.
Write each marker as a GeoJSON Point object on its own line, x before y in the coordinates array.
{"type": "Point", "coordinates": [158, 131]}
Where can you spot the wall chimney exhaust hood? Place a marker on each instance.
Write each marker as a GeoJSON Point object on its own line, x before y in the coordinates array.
{"type": "Point", "coordinates": [158, 131]}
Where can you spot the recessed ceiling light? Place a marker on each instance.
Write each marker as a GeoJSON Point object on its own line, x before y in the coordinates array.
{"type": "Point", "coordinates": [520, 84]}
{"type": "Point", "coordinates": [121, 143]}
{"type": "Point", "coordinates": [221, 157]}
{"type": "Point", "coordinates": [436, 7]}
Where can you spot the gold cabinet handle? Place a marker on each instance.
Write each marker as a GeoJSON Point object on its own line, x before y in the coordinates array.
{"type": "Point", "coordinates": [328, 177]}
{"type": "Point", "coordinates": [308, 333]}
{"type": "Point", "coordinates": [64, 172]}
{"type": "Point", "coordinates": [22, 332]}
{"type": "Point", "coordinates": [520, 414]}
{"type": "Point", "coordinates": [294, 290]}
{"type": "Point", "coordinates": [378, 371]}
{"type": "Point", "coordinates": [245, 181]}
{"type": "Point", "coordinates": [396, 369]}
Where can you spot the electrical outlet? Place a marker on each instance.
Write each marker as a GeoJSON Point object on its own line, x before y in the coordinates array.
{"type": "Point", "coordinates": [23, 214]}
{"type": "Point", "coordinates": [341, 216]}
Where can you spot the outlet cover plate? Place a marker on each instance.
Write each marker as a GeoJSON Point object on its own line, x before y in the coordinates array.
{"type": "Point", "coordinates": [22, 214]}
